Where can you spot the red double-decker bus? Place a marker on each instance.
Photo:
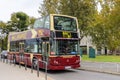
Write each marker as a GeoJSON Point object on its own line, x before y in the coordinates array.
{"type": "Point", "coordinates": [54, 39]}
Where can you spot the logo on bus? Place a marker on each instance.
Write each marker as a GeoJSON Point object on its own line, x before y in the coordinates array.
{"type": "Point", "coordinates": [40, 32]}
{"type": "Point", "coordinates": [66, 34]}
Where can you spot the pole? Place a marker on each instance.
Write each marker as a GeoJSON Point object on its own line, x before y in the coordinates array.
{"type": "Point", "coordinates": [14, 60]}
{"type": "Point", "coordinates": [25, 63]}
{"type": "Point", "coordinates": [32, 67]}
{"type": "Point", "coordinates": [19, 61]}
{"type": "Point", "coordinates": [117, 67]}
{"type": "Point", "coordinates": [46, 71]}
{"type": "Point", "coordinates": [38, 68]}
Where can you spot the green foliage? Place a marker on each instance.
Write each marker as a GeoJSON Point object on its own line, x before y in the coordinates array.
{"type": "Point", "coordinates": [106, 30]}
{"type": "Point", "coordinates": [3, 27]}
{"type": "Point", "coordinates": [19, 21]}
{"type": "Point", "coordinates": [49, 6]}
{"type": "Point", "coordinates": [31, 23]}
{"type": "Point", "coordinates": [2, 24]}
{"type": "Point", "coordinates": [114, 25]}
{"type": "Point", "coordinates": [32, 20]}
{"type": "Point", "coordinates": [3, 30]}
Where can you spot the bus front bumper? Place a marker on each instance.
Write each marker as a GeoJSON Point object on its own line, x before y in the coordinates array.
{"type": "Point", "coordinates": [51, 67]}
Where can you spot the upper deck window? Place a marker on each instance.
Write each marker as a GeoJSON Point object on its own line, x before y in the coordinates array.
{"type": "Point", "coordinates": [43, 22]}
{"type": "Point", "coordinates": [65, 23]}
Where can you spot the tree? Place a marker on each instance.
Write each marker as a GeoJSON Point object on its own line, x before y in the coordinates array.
{"type": "Point", "coordinates": [114, 25]}
{"type": "Point", "coordinates": [3, 36]}
{"type": "Point", "coordinates": [32, 20]}
{"type": "Point", "coordinates": [2, 24]}
{"type": "Point", "coordinates": [49, 6]}
{"type": "Point", "coordinates": [99, 29]}
{"type": "Point", "coordinates": [105, 32]}
{"type": "Point", "coordinates": [19, 21]}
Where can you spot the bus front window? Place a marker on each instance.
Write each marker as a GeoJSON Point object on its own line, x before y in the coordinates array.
{"type": "Point", "coordinates": [67, 47]}
{"type": "Point", "coordinates": [65, 23]}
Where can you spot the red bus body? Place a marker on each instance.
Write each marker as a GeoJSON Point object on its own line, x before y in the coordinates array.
{"type": "Point", "coordinates": [43, 44]}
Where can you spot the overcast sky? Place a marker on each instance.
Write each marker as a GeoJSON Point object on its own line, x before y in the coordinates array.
{"type": "Point", "coordinates": [7, 7]}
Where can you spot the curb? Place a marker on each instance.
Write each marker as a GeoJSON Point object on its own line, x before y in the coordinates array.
{"type": "Point", "coordinates": [102, 67]}
{"type": "Point", "coordinates": [99, 71]}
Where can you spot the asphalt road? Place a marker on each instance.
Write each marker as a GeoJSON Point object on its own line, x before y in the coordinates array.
{"type": "Point", "coordinates": [81, 75]}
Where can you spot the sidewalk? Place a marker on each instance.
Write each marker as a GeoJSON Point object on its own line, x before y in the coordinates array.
{"type": "Point", "coordinates": [11, 72]}
{"type": "Point", "coordinates": [105, 67]}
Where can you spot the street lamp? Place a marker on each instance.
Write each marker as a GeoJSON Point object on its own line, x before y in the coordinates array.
{"type": "Point", "coordinates": [2, 36]}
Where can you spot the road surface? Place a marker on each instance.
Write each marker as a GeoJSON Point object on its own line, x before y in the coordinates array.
{"type": "Point", "coordinates": [81, 75]}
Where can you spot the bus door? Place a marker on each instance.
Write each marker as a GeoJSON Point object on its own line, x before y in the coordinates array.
{"type": "Point", "coordinates": [45, 51]}
{"type": "Point", "coordinates": [21, 52]}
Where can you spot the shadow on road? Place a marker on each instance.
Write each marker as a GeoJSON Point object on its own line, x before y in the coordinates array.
{"type": "Point", "coordinates": [61, 71]}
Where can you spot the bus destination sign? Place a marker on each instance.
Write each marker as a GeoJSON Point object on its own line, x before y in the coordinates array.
{"type": "Point", "coordinates": [66, 34]}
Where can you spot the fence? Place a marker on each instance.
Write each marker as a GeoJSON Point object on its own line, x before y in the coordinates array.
{"type": "Point", "coordinates": [108, 67]}
{"type": "Point", "coordinates": [12, 60]}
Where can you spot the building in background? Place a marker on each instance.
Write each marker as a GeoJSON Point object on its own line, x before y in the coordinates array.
{"type": "Point", "coordinates": [86, 43]}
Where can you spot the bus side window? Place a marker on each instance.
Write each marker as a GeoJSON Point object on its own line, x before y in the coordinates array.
{"type": "Point", "coordinates": [39, 23]}
{"type": "Point", "coordinates": [40, 48]}
{"type": "Point", "coordinates": [47, 48]}
{"type": "Point", "coordinates": [47, 22]}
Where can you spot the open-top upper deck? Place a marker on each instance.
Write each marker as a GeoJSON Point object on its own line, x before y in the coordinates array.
{"type": "Point", "coordinates": [29, 34]}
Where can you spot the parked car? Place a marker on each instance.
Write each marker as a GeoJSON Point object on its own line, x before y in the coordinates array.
{"type": "Point", "coordinates": [4, 54]}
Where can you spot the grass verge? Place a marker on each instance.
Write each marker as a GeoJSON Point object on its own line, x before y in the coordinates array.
{"type": "Point", "coordinates": [102, 58]}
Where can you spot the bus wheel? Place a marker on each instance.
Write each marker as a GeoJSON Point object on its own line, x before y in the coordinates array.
{"type": "Point", "coordinates": [34, 63]}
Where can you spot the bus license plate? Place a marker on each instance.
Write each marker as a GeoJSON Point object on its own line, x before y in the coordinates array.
{"type": "Point", "coordinates": [67, 67]}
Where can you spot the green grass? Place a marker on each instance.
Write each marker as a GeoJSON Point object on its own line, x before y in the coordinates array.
{"type": "Point", "coordinates": [102, 58]}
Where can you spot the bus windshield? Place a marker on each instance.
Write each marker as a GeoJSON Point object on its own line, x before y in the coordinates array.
{"type": "Point", "coordinates": [65, 23]}
{"type": "Point", "coordinates": [67, 47]}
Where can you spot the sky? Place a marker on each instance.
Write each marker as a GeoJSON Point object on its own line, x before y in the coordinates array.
{"type": "Point", "coordinates": [30, 7]}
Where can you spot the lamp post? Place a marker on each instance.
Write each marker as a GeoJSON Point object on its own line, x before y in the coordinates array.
{"type": "Point", "coordinates": [2, 36]}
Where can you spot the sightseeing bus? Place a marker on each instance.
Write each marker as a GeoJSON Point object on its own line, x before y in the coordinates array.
{"type": "Point", "coordinates": [54, 39]}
